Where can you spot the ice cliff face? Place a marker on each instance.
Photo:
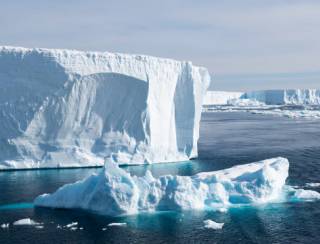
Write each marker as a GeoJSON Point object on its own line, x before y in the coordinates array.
{"type": "Point", "coordinates": [290, 96]}
{"type": "Point", "coordinates": [62, 108]}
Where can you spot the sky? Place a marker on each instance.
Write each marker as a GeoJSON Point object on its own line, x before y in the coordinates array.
{"type": "Point", "coordinates": [246, 45]}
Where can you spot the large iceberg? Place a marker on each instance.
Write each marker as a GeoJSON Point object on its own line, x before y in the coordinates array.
{"type": "Point", "coordinates": [63, 108]}
{"type": "Point", "coordinates": [115, 192]}
{"type": "Point", "coordinates": [286, 96]}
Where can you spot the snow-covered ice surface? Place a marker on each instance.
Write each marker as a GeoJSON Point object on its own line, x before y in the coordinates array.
{"type": "Point", "coordinates": [115, 192]}
{"type": "Point", "coordinates": [65, 108]}
{"type": "Point", "coordinates": [210, 224]}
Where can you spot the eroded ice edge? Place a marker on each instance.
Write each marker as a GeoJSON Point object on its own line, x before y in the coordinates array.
{"type": "Point", "coordinates": [115, 192]}
{"type": "Point", "coordinates": [292, 103]}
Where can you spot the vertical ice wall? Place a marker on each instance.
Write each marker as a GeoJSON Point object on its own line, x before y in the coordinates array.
{"type": "Point", "coordinates": [62, 108]}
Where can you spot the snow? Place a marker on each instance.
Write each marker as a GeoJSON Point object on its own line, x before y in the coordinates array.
{"type": "Point", "coordinates": [117, 224]}
{"type": "Point", "coordinates": [26, 221]}
{"type": "Point", "coordinates": [66, 108]}
{"type": "Point", "coordinates": [115, 192]}
{"type": "Point", "coordinates": [210, 224]}
{"type": "Point", "coordinates": [220, 97]}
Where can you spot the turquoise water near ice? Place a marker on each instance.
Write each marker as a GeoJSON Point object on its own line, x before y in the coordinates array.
{"type": "Point", "coordinates": [226, 139]}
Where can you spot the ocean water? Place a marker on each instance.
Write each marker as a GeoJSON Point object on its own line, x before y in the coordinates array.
{"type": "Point", "coordinates": [226, 139]}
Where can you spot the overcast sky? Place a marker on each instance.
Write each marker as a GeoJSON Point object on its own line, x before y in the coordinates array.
{"type": "Point", "coordinates": [246, 45]}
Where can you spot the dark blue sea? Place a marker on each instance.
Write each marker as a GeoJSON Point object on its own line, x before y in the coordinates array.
{"type": "Point", "coordinates": [226, 139]}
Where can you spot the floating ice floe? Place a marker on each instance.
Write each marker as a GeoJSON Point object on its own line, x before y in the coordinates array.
{"type": "Point", "coordinates": [304, 195]}
{"type": "Point", "coordinates": [210, 224]}
{"type": "Point", "coordinates": [222, 210]}
{"type": "Point", "coordinates": [245, 103]}
{"type": "Point", "coordinates": [115, 192]}
{"type": "Point", "coordinates": [299, 103]}
{"type": "Point", "coordinates": [303, 112]}
{"type": "Point", "coordinates": [117, 224]}
{"type": "Point", "coordinates": [313, 184]}
{"type": "Point", "coordinates": [73, 224]}
{"type": "Point", "coordinates": [5, 226]}
{"type": "Point", "coordinates": [26, 221]}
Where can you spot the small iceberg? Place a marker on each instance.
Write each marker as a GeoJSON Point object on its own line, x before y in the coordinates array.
{"type": "Point", "coordinates": [115, 192]}
{"type": "Point", "coordinates": [299, 195]}
{"type": "Point", "coordinates": [117, 224]}
{"type": "Point", "coordinates": [313, 184]}
{"type": "Point", "coordinates": [73, 224]}
{"type": "Point", "coordinates": [210, 224]}
{"type": "Point", "coordinates": [26, 221]}
{"type": "Point", "coordinates": [5, 226]}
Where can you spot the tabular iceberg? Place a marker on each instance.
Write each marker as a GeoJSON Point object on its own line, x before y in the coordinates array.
{"type": "Point", "coordinates": [288, 96]}
{"type": "Point", "coordinates": [63, 108]}
{"type": "Point", "coordinates": [115, 192]}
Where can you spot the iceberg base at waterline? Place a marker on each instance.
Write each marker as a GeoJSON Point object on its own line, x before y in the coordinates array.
{"type": "Point", "coordinates": [114, 192]}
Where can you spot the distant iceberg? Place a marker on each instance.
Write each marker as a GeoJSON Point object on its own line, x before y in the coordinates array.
{"type": "Point", "coordinates": [266, 97]}
{"type": "Point", "coordinates": [286, 96]}
{"type": "Point", "coordinates": [26, 221]}
{"type": "Point", "coordinates": [66, 108]}
{"type": "Point", "coordinates": [115, 192]}
{"type": "Point", "coordinates": [298, 103]}
{"type": "Point", "coordinates": [220, 97]}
